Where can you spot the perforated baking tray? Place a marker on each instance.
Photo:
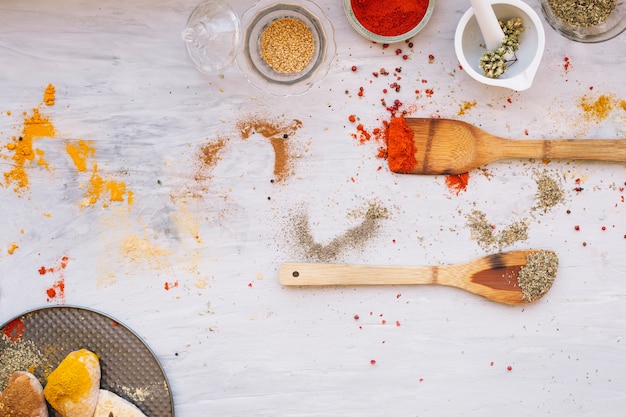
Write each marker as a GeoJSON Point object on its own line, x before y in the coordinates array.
{"type": "Point", "coordinates": [38, 340]}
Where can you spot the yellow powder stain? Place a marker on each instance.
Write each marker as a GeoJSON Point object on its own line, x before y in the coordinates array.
{"type": "Point", "coordinates": [465, 107]}
{"type": "Point", "coordinates": [12, 248]}
{"type": "Point", "coordinates": [201, 282]}
{"type": "Point", "coordinates": [99, 187]}
{"type": "Point", "coordinates": [138, 250]}
{"type": "Point", "coordinates": [79, 153]}
{"type": "Point", "coordinates": [622, 104]}
{"type": "Point", "coordinates": [596, 110]}
{"type": "Point", "coordinates": [49, 95]}
{"type": "Point", "coordinates": [35, 127]}
{"type": "Point", "coordinates": [188, 220]}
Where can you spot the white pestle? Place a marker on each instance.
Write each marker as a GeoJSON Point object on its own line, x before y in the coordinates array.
{"type": "Point", "coordinates": [488, 23]}
{"type": "Point", "coordinates": [469, 49]}
{"type": "Point", "coordinates": [489, 26]}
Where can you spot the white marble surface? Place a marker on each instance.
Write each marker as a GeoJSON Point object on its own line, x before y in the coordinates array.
{"type": "Point", "coordinates": [232, 340]}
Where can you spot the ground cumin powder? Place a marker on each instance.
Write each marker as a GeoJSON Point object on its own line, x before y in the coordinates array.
{"type": "Point", "coordinates": [279, 136]}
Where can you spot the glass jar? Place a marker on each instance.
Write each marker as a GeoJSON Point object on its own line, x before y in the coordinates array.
{"type": "Point", "coordinates": [586, 20]}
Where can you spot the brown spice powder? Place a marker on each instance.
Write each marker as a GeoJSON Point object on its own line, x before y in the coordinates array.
{"type": "Point", "coordinates": [278, 135]}
{"type": "Point", "coordinates": [208, 155]}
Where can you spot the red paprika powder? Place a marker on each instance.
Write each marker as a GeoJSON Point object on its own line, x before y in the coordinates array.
{"type": "Point", "coordinates": [400, 146]}
{"type": "Point", "coordinates": [390, 17]}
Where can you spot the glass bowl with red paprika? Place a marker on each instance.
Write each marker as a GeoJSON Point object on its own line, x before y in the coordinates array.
{"type": "Point", "coordinates": [388, 21]}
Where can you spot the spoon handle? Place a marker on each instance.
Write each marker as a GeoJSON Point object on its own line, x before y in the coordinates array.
{"type": "Point", "coordinates": [613, 150]}
{"type": "Point", "coordinates": [333, 274]}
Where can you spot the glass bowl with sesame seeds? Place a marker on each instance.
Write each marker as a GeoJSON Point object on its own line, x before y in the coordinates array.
{"type": "Point", "coordinates": [587, 21]}
{"type": "Point", "coordinates": [287, 48]}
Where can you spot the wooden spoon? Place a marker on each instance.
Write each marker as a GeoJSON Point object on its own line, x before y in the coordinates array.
{"type": "Point", "coordinates": [445, 146]}
{"type": "Point", "coordinates": [500, 277]}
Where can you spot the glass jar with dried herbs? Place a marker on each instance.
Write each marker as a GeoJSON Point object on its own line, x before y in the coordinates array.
{"type": "Point", "coordinates": [586, 20]}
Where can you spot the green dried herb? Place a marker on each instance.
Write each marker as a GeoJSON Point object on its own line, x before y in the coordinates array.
{"type": "Point", "coordinates": [495, 63]}
{"type": "Point", "coordinates": [537, 276]}
{"type": "Point", "coordinates": [582, 13]}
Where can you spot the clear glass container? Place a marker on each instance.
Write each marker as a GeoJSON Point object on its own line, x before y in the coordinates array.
{"type": "Point", "coordinates": [212, 36]}
{"type": "Point", "coordinates": [572, 28]}
{"type": "Point", "coordinates": [256, 19]}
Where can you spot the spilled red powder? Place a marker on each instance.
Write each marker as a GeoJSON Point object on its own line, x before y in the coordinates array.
{"type": "Point", "coordinates": [169, 285]}
{"type": "Point", "coordinates": [400, 146]}
{"type": "Point", "coordinates": [14, 330]}
{"type": "Point", "coordinates": [457, 183]}
{"type": "Point", "coordinates": [566, 64]}
{"type": "Point", "coordinates": [56, 292]}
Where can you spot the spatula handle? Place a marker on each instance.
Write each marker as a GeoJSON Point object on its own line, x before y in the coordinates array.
{"type": "Point", "coordinates": [613, 150]}
{"type": "Point", "coordinates": [333, 274]}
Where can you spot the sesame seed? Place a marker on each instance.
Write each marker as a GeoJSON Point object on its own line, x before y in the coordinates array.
{"type": "Point", "coordinates": [287, 45]}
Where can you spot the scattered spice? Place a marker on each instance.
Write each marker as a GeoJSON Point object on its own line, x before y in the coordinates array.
{"type": "Point", "coordinates": [169, 285]}
{"type": "Point", "coordinates": [352, 238]}
{"type": "Point", "coordinates": [495, 63]}
{"type": "Point", "coordinates": [536, 277]}
{"type": "Point", "coordinates": [389, 18]}
{"type": "Point", "coordinates": [12, 248]}
{"type": "Point", "coordinates": [466, 106]}
{"type": "Point", "coordinates": [49, 95]}
{"type": "Point", "coordinates": [582, 13]}
{"type": "Point", "coordinates": [208, 155]}
{"type": "Point", "coordinates": [287, 45]}
{"type": "Point", "coordinates": [56, 292]}
{"type": "Point", "coordinates": [80, 151]}
{"type": "Point", "coordinates": [596, 110]}
{"type": "Point", "coordinates": [22, 355]}
{"type": "Point", "coordinates": [549, 192]}
{"type": "Point", "coordinates": [275, 132]}
{"type": "Point", "coordinates": [14, 330]}
{"type": "Point", "coordinates": [485, 235]}
{"type": "Point", "coordinates": [457, 183]}
{"type": "Point", "coordinates": [25, 153]}
{"type": "Point", "coordinates": [400, 146]}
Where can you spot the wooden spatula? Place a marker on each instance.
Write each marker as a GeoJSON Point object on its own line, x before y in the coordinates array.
{"type": "Point", "coordinates": [445, 146]}
{"type": "Point", "coordinates": [517, 277]}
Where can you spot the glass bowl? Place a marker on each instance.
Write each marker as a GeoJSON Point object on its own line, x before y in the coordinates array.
{"type": "Point", "coordinates": [212, 36]}
{"type": "Point", "coordinates": [614, 24]}
{"type": "Point", "coordinates": [259, 73]}
{"type": "Point", "coordinates": [367, 34]}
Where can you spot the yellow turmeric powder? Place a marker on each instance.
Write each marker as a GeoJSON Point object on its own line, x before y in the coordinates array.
{"type": "Point", "coordinates": [79, 153]}
{"type": "Point", "coordinates": [24, 153]}
{"type": "Point", "coordinates": [49, 95]}
{"type": "Point", "coordinates": [73, 386]}
{"type": "Point", "coordinates": [597, 110]}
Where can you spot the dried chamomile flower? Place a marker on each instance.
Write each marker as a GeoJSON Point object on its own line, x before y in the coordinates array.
{"type": "Point", "coordinates": [495, 63]}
